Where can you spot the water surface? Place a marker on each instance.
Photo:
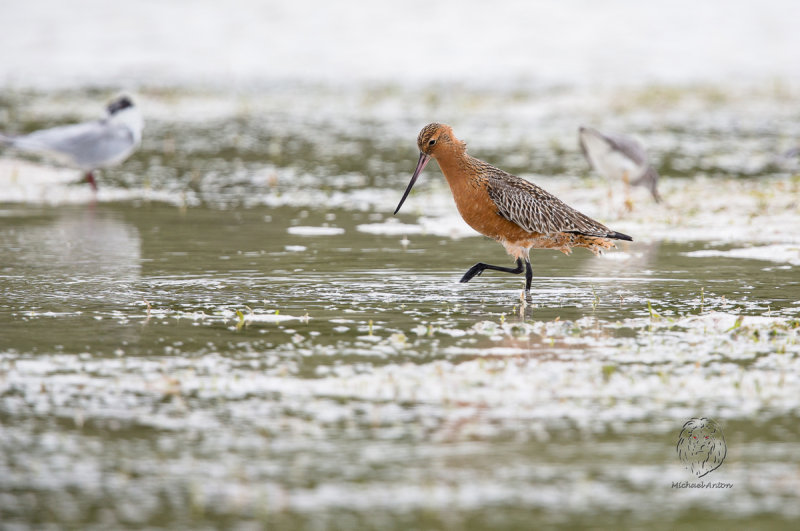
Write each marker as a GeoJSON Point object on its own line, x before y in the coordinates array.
{"type": "Point", "coordinates": [236, 332]}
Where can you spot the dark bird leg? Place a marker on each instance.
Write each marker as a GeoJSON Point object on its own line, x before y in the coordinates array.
{"type": "Point", "coordinates": [91, 181]}
{"type": "Point", "coordinates": [479, 268]}
{"type": "Point", "coordinates": [528, 275]}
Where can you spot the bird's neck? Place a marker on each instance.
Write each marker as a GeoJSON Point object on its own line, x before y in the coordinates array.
{"type": "Point", "coordinates": [456, 165]}
{"type": "Point", "coordinates": [131, 118]}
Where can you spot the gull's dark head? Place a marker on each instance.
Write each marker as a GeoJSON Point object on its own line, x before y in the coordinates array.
{"type": "Point", "coordinates": [119, 104]}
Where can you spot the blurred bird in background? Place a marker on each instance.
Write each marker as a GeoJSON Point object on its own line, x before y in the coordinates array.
{"type": "Point", "coordinates": [619, 158]}
{"type": "Point", "coordinates": [88, 146]}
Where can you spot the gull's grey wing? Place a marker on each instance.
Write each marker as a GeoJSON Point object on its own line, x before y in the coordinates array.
{"type": "Point", "coordinates": [628, 147]}
{"type": "Point", "coordinates": [536, 210]}
{"type": "Point", "coordinates": [623, 144]}
{"type": "Point", "coordinates": [88, 145]}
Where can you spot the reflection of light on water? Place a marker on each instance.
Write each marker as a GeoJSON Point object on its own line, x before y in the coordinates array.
{"type": "Point", "coordinates": [379, 378]}
{"type": "Point", "coordinates": [506, 407]}
{"type": "Point", "coordinates": [775, 253]}
{"type": "Point", "coordinates": [627, 257]}
{"type": "Point", "coordinates": [315, 231]}
{"type": "Point", "coordinates": [91, 247]}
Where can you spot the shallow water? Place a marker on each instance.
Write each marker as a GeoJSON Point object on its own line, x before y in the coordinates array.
{"type": "Point", "coordinates": [236, 332]}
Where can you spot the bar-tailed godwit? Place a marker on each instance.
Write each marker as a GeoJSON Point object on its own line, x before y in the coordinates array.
{"type": "Point", "coordinates": [513, 211]}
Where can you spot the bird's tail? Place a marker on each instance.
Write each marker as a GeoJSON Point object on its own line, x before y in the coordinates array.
{"type": "Point", "coordinates": [619, 236]}
{"type": "Point", "coordinates": [6, 140]}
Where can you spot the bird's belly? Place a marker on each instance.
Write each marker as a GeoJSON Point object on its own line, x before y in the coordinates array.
{"type": "Point", "coordinates": [104, 159]}
{"type": "Point", "coordinates": [609, 162]}
{"type": "Point", "coordinates": [616, 166]}
{"type": "Point", "coordinates": [480, 213]}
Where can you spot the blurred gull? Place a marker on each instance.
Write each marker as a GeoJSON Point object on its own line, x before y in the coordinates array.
{"type": "Point", "coordinates": [91, 145]}
{"type": "Point", "coordinates": [619, 157]}
{"type": "Point", "coordinates": [792, 152]}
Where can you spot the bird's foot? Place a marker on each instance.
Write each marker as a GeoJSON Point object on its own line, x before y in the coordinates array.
{"type": "Point", "coordinates": [473, 272]}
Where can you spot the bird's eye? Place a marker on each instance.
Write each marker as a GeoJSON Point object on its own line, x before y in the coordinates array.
{"type": "Point", "coordinates": [432, 141]}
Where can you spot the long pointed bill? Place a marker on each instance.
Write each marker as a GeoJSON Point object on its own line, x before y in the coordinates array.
{"type": "Point", "coordinates": [423, 161]}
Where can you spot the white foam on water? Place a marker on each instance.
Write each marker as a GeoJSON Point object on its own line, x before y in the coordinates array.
{"type": "Point", "coordinates": [534, 379]}
{"type": "Point", "coordinates": [315, 231]}
{"type": "Point", "coordinates": [621, 256]}
{"type": "Point", "coordinates": [272, 318]}
{"type": "Point", "coordinates": [781, 253]}
{"type": "Point", "coordinates": [390, 228]}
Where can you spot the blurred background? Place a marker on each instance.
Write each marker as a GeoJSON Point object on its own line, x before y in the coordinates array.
{"type": "Point", "coordinates": [247, 43]}
{"type": "Point", "coordinates": [234, 330]}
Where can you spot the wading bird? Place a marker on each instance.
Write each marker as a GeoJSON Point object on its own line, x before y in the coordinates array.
{"type": "Point", "coordinates": [619, 158]}
{"type": "Point", "coordinates": [88, 146]}
{"type": "Point", "coordinates": [513, 211]}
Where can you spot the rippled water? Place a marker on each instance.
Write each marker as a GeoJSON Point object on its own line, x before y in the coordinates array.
{"type": "Point", "coordinates": [237, 333]}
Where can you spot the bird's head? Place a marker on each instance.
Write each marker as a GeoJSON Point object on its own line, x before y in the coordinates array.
{"type": "Point", "coordinates": [119, 104]}
{"type": "Point", "coordinates": [437, 138]}
{"type": "Point", "coordinates": [434, 140]}
{"type": "Point", "coordinates": [122, 111]}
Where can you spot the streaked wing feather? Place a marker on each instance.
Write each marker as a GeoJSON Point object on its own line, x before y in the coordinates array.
{"type": "Point", "coordinates": [536, 210]}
